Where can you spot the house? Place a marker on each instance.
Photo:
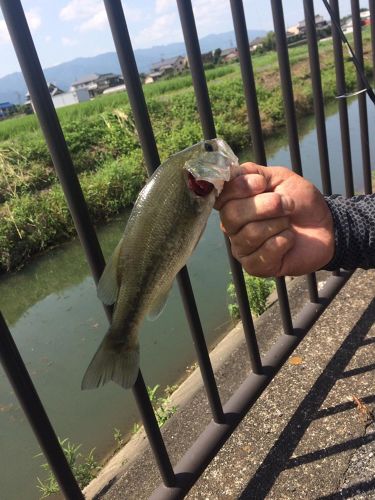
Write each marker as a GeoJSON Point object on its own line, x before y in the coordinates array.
{"type": "Point", "coordinates": [53, 90]}
{"type": "Point", "coordinates": [228, 55]}
{"type": "Point", "coordinates": [96, 83]}
{"type": "Point", "coordinates": [71, 97]}
{"type": "Point", "coordinates": [297, 33]}
{"type": "Point", "coordinates": [293, 37]}
{"type": "Point", "coordinates": [152, 77]}
{"type": "Point", "coordinates": [320, 23]}
{"type": "Point", "coordinates": [256, 43]}
{"type": "Point", "coordinates": [6, 109]}
{"type": "Point", "coordinates": [171, 65]}
{"type": "Point", "coordinates": [117, 88]}
{"type": "Point", "coordinates": [208, 57]}
{"type": "Point", "coordinates": [365, 17]}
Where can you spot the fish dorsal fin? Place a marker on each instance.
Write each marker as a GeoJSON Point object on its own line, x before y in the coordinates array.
{"type": "Point", "coordinates": [108, 285]}
{"type": "Point", "coordinates": [158, 305]}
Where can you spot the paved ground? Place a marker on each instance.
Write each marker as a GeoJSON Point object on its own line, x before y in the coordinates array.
{"type": "Point", "coordinates": [306, 437]}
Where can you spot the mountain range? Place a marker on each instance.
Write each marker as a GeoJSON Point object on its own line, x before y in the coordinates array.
{"type": "Point", "coordinates": [13, 87]}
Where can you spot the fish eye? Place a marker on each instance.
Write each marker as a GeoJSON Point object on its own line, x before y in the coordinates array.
{"type": "Point", "coordinates": [207, 146]}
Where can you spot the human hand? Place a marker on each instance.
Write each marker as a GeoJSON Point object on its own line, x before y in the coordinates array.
{"type": "Point", "coordinates": [278, 223]}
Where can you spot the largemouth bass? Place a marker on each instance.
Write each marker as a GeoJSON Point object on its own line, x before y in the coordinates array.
{"type": "Point", "coordinates": [163, 229]}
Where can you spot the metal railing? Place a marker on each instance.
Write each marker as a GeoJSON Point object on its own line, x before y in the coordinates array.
{"type": "Point", "coordinates": [178, 479]}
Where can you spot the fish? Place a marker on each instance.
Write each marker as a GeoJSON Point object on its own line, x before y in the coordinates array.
{"type": "Point", "coordinates": [163, 229]}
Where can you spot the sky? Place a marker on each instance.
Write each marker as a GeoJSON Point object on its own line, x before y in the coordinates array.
{"type": "Point", "coordinates": [66, 29]}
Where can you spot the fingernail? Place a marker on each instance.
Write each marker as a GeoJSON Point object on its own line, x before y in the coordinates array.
{"type": "Point", "coordinates": [288, 204]}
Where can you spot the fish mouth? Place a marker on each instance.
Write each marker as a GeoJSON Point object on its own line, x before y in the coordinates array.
{"type": "Point", "coordinates": [199, 187]}
{"type": "Point", "coordinates": [211, 168]}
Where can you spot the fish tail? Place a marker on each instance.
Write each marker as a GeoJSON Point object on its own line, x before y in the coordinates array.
{"type": "Point", "coordinates": [112, 361]}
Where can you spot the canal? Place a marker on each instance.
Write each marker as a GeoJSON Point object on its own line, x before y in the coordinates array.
{"type": "Point", "coordinates": [58, 322]}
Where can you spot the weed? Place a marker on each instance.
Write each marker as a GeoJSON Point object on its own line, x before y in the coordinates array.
{"type": "Point", "coordinates": [118, 437]}
{"type": "Point", "coordinates": [136, 428]}
{"type": "Point", "coordinates": [258, 289]}
{"type": "Point", "coordinates": [161, 405]}
{"type": "Point", "coordinates": [163, 410]}
{"type": "Point", "coordinates": [84, 468]}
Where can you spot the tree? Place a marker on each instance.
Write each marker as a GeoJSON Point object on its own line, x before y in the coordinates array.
{"type": "Point", "coordinates": [269, 41]}
{"type": "Point", "coordinates": [217, 56]}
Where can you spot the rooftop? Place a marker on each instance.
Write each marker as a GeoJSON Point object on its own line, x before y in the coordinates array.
{"type": "Point", "coordinates": [92, 78]}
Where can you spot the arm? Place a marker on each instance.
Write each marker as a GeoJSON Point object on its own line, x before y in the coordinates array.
{"type": "Point", "coordinates": [280, 224]}
{"type": "Point", "coordinates": [354, 223]}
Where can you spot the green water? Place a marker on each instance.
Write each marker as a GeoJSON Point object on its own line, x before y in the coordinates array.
{"type": "Point", "coordinates": [57, 322]}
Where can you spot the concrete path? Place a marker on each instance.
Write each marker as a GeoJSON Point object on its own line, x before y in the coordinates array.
{"type": "Point", "coordinates": [310, 435]}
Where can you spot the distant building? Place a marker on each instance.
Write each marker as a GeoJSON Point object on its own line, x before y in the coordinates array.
{"type": "Point", "coordinates": [117, 88]}
{"type": "Point", "coordinates": [53, 90]}
{"type": "Point", "coordinates": [256, 43]}
{"type": "Point", "coordinates": [365, 17]}
{"type": "Point", "coordinates": [208, 57]}
{"type": "Point", "coordinates": [297, 33]}
{"type": "Point", "coordinates": [96, 83]}
{"type": "Point", "coordinates": [228, 55]}
{"type": "Point", "coordinates": [153, 77]}
{"type": "Point", "coordinates": [71, 97]}
{"type": "Point", "coordinates": [6, 109]}
{"type": "Point", "coordinates": [171, 65]}
{"type": "Point", "coordinates": [320, 23]}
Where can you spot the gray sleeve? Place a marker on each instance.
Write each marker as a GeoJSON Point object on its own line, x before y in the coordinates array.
{"type": "Point", "coordinates": [354, 223]}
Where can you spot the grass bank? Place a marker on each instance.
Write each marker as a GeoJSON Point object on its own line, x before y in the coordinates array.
{"type": "Point", "coordinates": [105, 149]}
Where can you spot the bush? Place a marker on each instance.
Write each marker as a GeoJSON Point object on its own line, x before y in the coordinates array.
{"type": "Point", "coordinates": [258, 289]}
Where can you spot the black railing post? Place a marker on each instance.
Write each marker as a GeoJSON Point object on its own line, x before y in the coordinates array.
{"type": "Point", "coordinates": [128, 65]}
{"type": "Point", "coordinates": [343, 108]}
{"type": "Point", "coordinates": [25, 391]}
{"type": "Point", "coordinates": [358, 48]}
{"type": "Point", "coordinates": [317, 95]}
{"type": "Point", "coordinates": [205, 113]}
{"type": "Point", "coordinates": [371, 4]}
{"type": "Point", "coordinates": [42, 102]}
{"type": "Point", "coordinates": [32, 71]}
{"type": "Point", "coordinates": [289, 109]}
{"type": "Point", "coordinates": [255, 126]}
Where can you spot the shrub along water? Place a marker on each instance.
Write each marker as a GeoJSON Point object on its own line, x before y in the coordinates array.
{"type": "Point", "coordinates": [104, 145]}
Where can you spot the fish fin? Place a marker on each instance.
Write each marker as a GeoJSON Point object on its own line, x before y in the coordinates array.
{"type": "Point", "coordinates": [112, 362]}
{"type": "Point", "coordinates": [158, 306]}
{"type": "Point", "coordinates": [108, 285]}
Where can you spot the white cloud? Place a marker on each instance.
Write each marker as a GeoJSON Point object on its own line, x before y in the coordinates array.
{"type": "Point", "coordinates": [47, 38]}
{"type": "Point", "coordinates": [164, 29]}
{"type": "Point", "coordinates": [68, 42]}
{"type": "Point", "coordinates": [91, 14]}
{"type": "Point", "coordinates": [162, 6]}
{"type": "Point", "coordinates": [4, 34]}
{"type": "Point", "coordinates": [96, 22]}
{"type": "Point", "coordinates": [33, 19]}
{"type": "Point", "coordinates": [209, 13]}
{"type": "Point", "coordinates": [77, 10]}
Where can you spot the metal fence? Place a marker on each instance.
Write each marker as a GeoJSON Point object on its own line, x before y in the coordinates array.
{"type": "Point", "coordinates": [178, 479]}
